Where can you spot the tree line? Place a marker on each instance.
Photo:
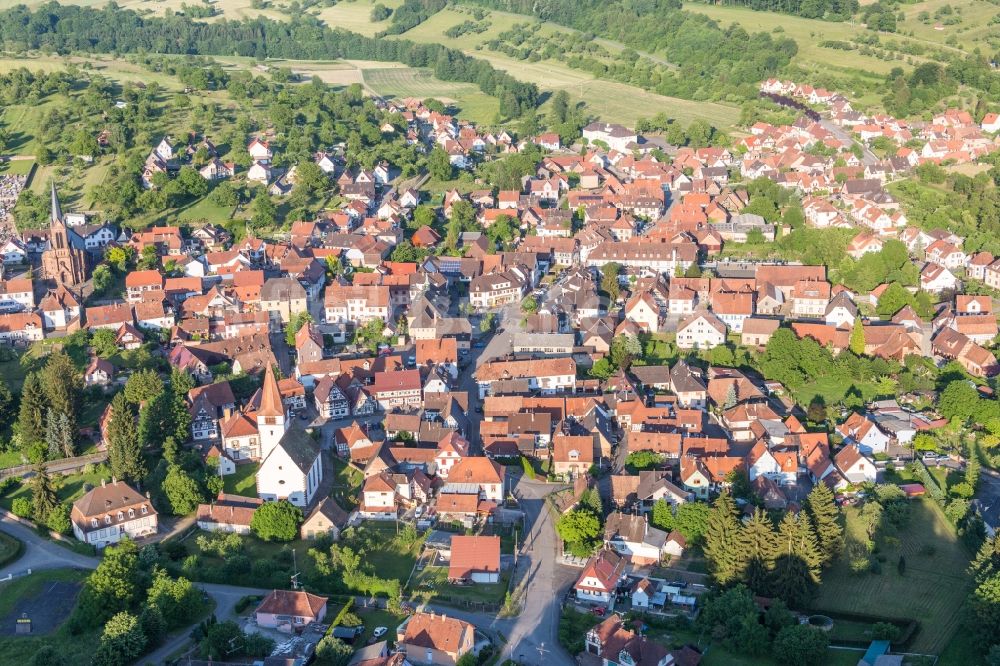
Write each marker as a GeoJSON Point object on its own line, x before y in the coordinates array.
{"type": "Point", "coordinates": [64, 29]}
{"type": "Point", "coordinates": [832, 10]}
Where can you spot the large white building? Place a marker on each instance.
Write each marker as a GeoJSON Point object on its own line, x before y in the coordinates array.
{"type": "Point", "coordinates": [292, 466]}
{"type": "Point", "coordinates": [112, 512]}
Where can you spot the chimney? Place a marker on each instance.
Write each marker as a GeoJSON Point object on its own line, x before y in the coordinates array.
{"type": "Point", "coordinates": [104, 483]}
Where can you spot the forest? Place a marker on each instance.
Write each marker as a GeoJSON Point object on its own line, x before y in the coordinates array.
{"type": "Point", "coordinates": [63, 29]}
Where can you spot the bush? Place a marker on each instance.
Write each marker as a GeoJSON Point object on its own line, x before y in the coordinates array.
{"type": "Point", "coordinates": [21, 507]}
{"type": "Point", "coordinates": [885, 631]}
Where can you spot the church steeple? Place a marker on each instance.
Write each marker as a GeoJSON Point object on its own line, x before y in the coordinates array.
{"type": "Point", "coordinates": [57, 216]}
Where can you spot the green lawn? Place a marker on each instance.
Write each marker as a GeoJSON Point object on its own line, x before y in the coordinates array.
{"type": "Point", "coordinates": [348, 483]}
{"type": "Point", "coordinates": [68, 488]}
{"type": "Point", "coordinates": [243, 481]}
{"type": "Point", "coordinates": [932, 590]}
{"type": "Point", "coordinates": [432, 584]}
{"type": "Point", "coordinates": [10, 549]}
{"type": "Point", "coordinates": [19, 650]}
{"type": "Point", "coordinates": [377, 617]}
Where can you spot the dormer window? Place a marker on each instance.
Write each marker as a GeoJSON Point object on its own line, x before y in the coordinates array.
{"type": "Point", "coordinates": [143, 509]}
{"type": "Point", "coordinates": [131, 513]}
{"type": "Point", "coordinates": [93, 522]}
{"type": "Point", "coordinates": [107, 520]}
{"type": "Point", "coordinates": [121, 516]}
{"type": "Point", "coordinates": [625, 658]}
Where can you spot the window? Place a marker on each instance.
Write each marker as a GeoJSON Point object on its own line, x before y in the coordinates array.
{"type": "Point", "coordinates": [144, 509]}
{"type": "Point", "coordinates": [93, 522]}
{"type": "Point", "coordinates": [131, 513]}
{"type": "Point", "coordinates": [121, 516]}
{"type": "Point", "coordinates": [107, 520]}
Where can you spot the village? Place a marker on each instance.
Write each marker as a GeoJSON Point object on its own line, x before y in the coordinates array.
{"type": "Point", "coordinates": [551, 384]}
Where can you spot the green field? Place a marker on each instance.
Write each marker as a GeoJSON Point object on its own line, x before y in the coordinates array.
{"type": "Point", "coordinates": [931, 591]}
{"type": "Point", "coordinates": [356, 16]}
{"type": "Point", "coordinates": [431, 584]}
{"type": "Point", "coordinates": [243, 481]}
{"type": "Point", "coordinates": [472, 104]}
{"type": "Point", "coordinates": [347, 485]}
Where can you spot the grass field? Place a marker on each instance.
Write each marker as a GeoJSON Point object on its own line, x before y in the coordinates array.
{"type": "Point", "coordinates": [243, 481]}
{"type": "Point", "coordinates": [472, 103]}
{"type": "Point", "coordinates": [356, 16]}
{"type": "Point", "coordinates": [931, 591]}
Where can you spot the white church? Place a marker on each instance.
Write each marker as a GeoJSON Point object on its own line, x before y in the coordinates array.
{"type": "Point", "coordinates": [292, 466]}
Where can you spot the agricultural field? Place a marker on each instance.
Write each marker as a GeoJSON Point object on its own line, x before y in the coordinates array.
{"type": "Point", "coordinates": [472, 104]}
{"type": "Point", "coordinates": [356, 16]}
{"type": "Point", "coordinates": [931, 590]}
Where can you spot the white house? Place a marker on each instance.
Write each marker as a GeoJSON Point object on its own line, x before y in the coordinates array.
{"type": "Point", "coordinates": [600, 577]}
{"type": "Point", "coordinates": [701, 330]}
{"type": "Point", "coordinates": [112, 512]}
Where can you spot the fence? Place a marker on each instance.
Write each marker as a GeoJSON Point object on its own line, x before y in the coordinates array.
{"type": "Point", "coordinates": [57, 466]}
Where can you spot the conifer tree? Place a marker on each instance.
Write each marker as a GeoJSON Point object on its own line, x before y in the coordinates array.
{"type": "Point", "coordinates": [756, 547]}
{"type": "Point", "coordinates": [124, 451]}
{"type": "Point", "coordinates": [722, 540]}
{"type": "Point", "coordinates": [62, 385]}
{"type": "Point", "coordinates": [857, 341]}
{"type": "Point", "coordinates": [30, 419]}
{"type": "Point", "coordinates": [825, 519]}
{"type": "Point", "coordinates": [730, 401]}
{"type": "Point", "coordinates": [797, 561]}
{"type": "Point", "coordinates": [52, 434]}
{"type": "Point", "coordinates": [43, 494]}
{"type": "Point", "coordinates": [66, 442]}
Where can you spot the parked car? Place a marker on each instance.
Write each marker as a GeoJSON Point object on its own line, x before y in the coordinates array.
{"type": "Point", "coordinates": [599, 611]}
{"type": "Point", "coordinates": [379, 632]}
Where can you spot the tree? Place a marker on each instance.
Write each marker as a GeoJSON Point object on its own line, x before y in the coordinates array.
{"type": "Point", "coordinates": [32, 410]}
{"type": "Point", "coordinates": [120, 257]}
{"type": "Point", "coordinates": [225, 195]}
{"type": "Point", "coordinates": [102, 279]}
{"type": "Point", "coordinates": [112, 587]}
{"type": "Point", "coordinates": [295, 322]}
{"type": "Point", "coordinates": [892, 300]}
{"type": "Point", "coordinates": [643, 460]}
{"type": "Point", "coordinates": [800, 645]}
{"type": "Point", "coordinates": [730, 400]}
{"type": "Point", "coordinates": [797, 562]}
{"type": "Point", "coordinates": [857, 342]}
{"type": "Point", "coordinates": [148, 258]}
{"type": "Point", "coordinates": [487, 323]}
{"type": "Point", "coordinates": [105, 342]}
{"type": "Point", "coordinates": [691, 520]}
{"type": "Point", "coordinates": [122, 641]}
{"type": "Point", "coordinates": [601, 369]}
{"type": "Point", "coordinates": [263, 211]}
{"type": "Point", "coordinates": [62, 384]}
{"type": "Point", "coordinates": [124, 451]}
{"type": "Point", "coordinates": [609, 280]}
{"type": "Point", "coordinates": [276, 521]}
{"type": "Point", "coordinates": [311, 178]}
{"type": "Point", "coordinates": [756, 548]}
{"type": "Point", "coordinates": [825, 517]}
{"type": "Point", "coordinates": [958, 400]}
{"type": "Point", "coordinates": [721, 540]}
{"type": "Point", "coordinates": [624, 349]}
{"type": "Point", "coordinates": [663, 516]}
{"type": "Point", "coordinates": [142, 386]}
{"type": "Point", "coordinates": [370, 335]}
{"type": "Point", "coordinates": [332, 651]}
{"type": "Point", "coordinates": [439, 164]}
{"type": "Point", "coordinates": [529, 305]}
{"type": "Point", "coordinates": [43, 494]}
{"type": "Point", "coordinates": [182, 492]}
{"type": "Point", "coordinates": [580, 530]}
{"type": "Point", "coordinates": [177, 600]}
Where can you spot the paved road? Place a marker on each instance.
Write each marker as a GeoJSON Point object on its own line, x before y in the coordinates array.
{"type": "Point", "coordinates": [868, 157]}
{"type": "Point", "coordinates": [40, 553]}
{"type": "Point", "coordinates": [533, 639]}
